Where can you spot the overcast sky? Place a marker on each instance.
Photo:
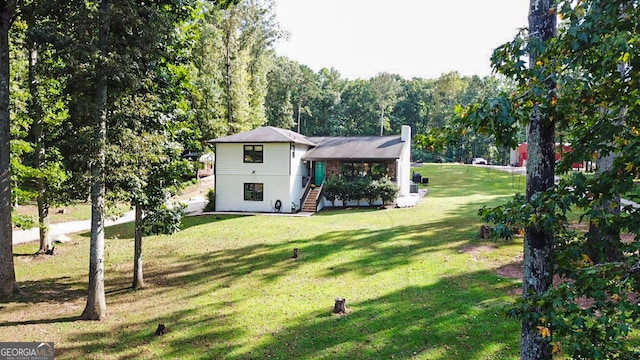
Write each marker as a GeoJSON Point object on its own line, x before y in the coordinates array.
{"type": "Point", "coordinates": [412, 38]}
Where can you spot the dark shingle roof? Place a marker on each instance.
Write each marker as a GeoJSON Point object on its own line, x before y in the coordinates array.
{"type": "Point", "coordinates": [355, 148]}
{"type": "Point", "coordinates": [327, 147]}
{"type": "Point", "coordinates": [266, 134]}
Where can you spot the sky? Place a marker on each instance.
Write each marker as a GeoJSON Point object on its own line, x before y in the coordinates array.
{"type": "Point", "coordinates": [411, 38]}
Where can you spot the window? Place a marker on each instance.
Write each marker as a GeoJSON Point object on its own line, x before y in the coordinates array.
{"type": "Point", "coordinates": [253, 153]}
{"type": "Point", "coordinates": [374, 170]}
{"type": "Point", "coordinates": [253, 191]}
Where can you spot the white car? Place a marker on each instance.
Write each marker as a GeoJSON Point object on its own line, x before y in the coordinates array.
{"type": "Point", "coordinates": [479, 161]}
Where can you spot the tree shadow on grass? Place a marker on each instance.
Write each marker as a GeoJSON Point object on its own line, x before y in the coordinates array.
{"type": "Point", "coordinates": [458, 317]}
{"type": "Point", "coordinates": [127, 230]}
{"type": "Point", "coordinates": [396, 323]}
{"type": "Point", "coordinates": [43, 321]}
{"type": "Point", "coordinates": [192, 333]}
{"type": "Point", "coordinates": [50, 290]}
{"type": "Point", "coordinates": [378, 250]}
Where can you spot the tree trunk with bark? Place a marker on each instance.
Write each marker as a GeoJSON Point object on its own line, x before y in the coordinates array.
{"type": "Point", "coordinates": [138, 279]}
{"type": "Point", "coordinates": [603, 241]}
{"type": "Point", "coordinates": [96, 307]}
{"type": "Point", "coordinates": [8, 285]}
{"type": "Point", "coordinates": [35, 109]}
{"type": "Point", "coordinates": [299, 110]}
{"type": "Point", "coordinates": [228, 82]}
{"type": "Point", "coordinates": [538, 242]}
{"type": "Point", "coordinates": [381, 119]}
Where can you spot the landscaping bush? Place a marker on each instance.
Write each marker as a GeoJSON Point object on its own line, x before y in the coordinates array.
{"type": "Point", "coordinates": [331, 189]}
{"type": "Point", "coordinates": [358, 189]}
{"type": "Point", "coordinates": [211, 201]}
{"type": "Point", "coordinates": [387, 190]}
{"type": "Point", "coordinates": [166, 220]}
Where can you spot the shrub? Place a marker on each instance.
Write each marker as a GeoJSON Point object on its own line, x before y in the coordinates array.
{"type": "Point", "coordinates": [357, 189]}
{"type": "Point", "coordinates": [387, 190]}
{"type": "Point", "coordinates": [331, 189]}
{"type": "Point", "coordinates": [23, 221]}
{"type": "Point", "coordinates": [211, 201]}
{"type": "Point", "coordinates": [166, 220]}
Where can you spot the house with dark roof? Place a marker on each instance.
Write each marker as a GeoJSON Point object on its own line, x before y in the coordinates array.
{"type": "Point", "coordinates": [276, 170]}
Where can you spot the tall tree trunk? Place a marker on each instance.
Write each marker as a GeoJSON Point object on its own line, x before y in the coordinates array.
{"type": "Point", "coordinates": [299, 110]}
{"type": "Point", "coordinates": [96, 307]}
{"type": "Point", "coordinates": [229, 83]}
{"type": "Point", "coordinates": [8, 285]}
{"type": "Point", "coordinates": [138, 280]}
{"type": "Point", "coordinates": [538, 242]}
{"type": "Point", "coordinates": [35, 109]}
{"type": "Point", "coordinates": [381, 120]}
{"type": "Point", "coordinates": [602, 240]}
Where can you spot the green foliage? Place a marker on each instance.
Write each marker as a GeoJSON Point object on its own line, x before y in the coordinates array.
{"type": "Point", "coordinates": [163, 220]}
{"type": "Point", "coordinates": [231, 61]}
{"type": "Point", "coordinates": [386, 189]}
{"type": "Point", "coordinates": [23, 221]}
{"type": "Point", "coordinates": [210, 204]}
{"type": "Point", "coordinates": [594, 62]}
{"type": "Point", "coordinates": [332, 188]}
{"type": "Point", "coordinates": [359, 188]}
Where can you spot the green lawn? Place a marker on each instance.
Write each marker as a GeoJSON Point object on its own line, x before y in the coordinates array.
{"type": "Point", "coordinates": [418, 284]}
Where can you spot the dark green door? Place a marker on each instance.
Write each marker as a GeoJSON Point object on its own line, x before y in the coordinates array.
{"type": "Point", "coordinates": [320, 172]}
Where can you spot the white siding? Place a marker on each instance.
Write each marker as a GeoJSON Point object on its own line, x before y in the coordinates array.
{"type": "Point", "coordinates": [298, 172]}
{"type": "Point", "coordinates": [281, 174]}
{"type": "Point", "coordinates": [230, 160]}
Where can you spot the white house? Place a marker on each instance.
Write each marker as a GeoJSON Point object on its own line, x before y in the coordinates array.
{"type": "Point", "coordinates": [273, 170]}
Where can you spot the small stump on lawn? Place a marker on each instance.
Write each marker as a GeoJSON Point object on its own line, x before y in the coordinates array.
{"type": "Point", "coordinates": [295, 253]}
{"type": "Point", "coordinates": [161, 330]}
{"type": "Point", "coordinates": [485, 232]}
{"type": "Point", "coordinates": [50, 251]}
{"type": "Point", "coordinates": [340, 306]}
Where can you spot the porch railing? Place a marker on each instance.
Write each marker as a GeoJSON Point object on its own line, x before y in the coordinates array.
{"type": "Point", "coordinates": [307, 188]}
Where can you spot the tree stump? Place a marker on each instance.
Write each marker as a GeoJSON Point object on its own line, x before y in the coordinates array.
{"type": "Point", "coordinates": [485, 232]}
{"type": "Point", "coordinates": [340, 306]}
{"type": "Point", "coordinates": [161, 330]}
{"type": "Point", "coordinates": [50, 251]}
{"type": "Point", "coordinates": [295, 253]}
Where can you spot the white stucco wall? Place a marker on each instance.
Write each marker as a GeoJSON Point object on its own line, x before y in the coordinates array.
{"type": "Point", "coordinates": [280, 172]}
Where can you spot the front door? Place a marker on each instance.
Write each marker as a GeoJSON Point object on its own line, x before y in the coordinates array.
{"type": "Point", "coordinates": [320, 172]}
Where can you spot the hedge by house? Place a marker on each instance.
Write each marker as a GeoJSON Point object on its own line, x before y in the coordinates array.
{"type": "Point", "coordinates": [359, 189]}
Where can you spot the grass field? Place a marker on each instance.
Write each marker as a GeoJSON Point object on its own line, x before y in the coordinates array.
{"type": "Point", "coordinates": [417, 281]}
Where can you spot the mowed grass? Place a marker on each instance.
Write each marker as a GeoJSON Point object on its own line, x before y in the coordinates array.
{"type": "Point", "coordinates": [76, 211]}
{"type": "Point", "coordinates": [417, 281]}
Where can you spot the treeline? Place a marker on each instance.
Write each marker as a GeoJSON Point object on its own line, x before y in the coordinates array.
{"type": "Point", "coordinates": [324, 104]}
